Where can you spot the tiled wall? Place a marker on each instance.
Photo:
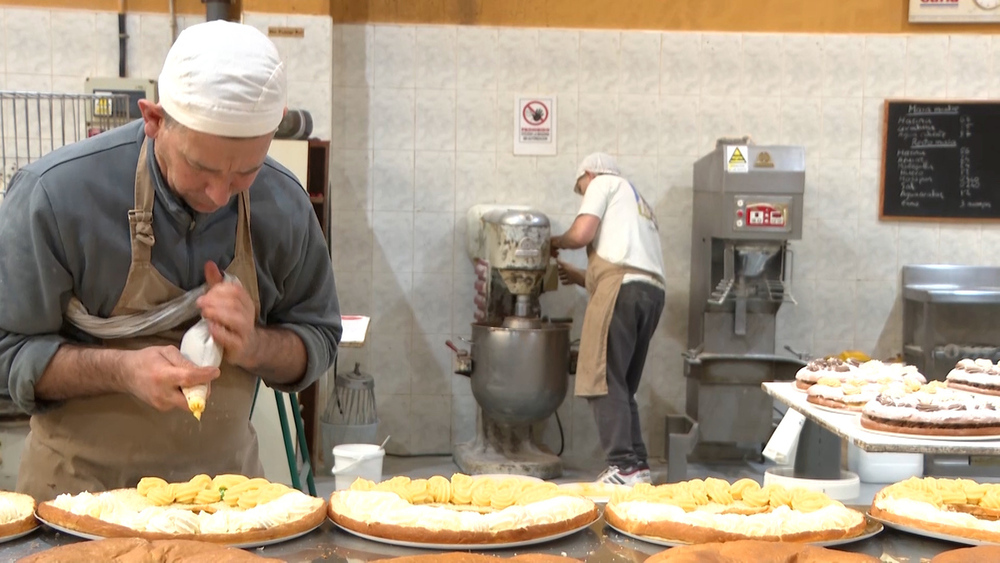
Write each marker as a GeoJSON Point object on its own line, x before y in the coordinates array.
{"type": "Point", "coordinates": [56, 50]}
{"type": "Point", "coordinates": [422, 129]}
{"type": "Point", "coordinates": [421, 123]}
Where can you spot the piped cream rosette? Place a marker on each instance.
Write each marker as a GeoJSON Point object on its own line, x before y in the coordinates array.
{"type": "Point", "coordinates": [460, 510]}
{"type": "Point", "coordinates": [700, 511]}
{"type": "Point", "coordinates": [199, 348]}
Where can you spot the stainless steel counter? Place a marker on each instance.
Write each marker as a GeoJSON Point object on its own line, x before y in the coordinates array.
{"type": "Point", "coordinates": [597, 544]}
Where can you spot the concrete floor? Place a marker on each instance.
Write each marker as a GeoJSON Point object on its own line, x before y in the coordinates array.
{"type": "Point", "coordinates": [575, 470]}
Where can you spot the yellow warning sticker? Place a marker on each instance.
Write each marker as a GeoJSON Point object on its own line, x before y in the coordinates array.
{"type": "Point", "coordinates": [736, 161]}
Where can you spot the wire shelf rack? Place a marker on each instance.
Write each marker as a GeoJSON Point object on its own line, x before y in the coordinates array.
{"type": "Point", "coordinates": [33, 124]}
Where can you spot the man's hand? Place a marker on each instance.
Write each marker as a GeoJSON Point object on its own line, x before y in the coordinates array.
{"type": "Point", "coordinates": [570, 275]}
{"type": "Point", "coordinates": [156, 374]}
{"type": "Point", "coordinates": [554, 247]}
{"type": "Point", "coordinates": [232, 322]}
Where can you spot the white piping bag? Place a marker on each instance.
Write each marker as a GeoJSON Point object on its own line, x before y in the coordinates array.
{"type": "Point", "coordinates": [199, 348]}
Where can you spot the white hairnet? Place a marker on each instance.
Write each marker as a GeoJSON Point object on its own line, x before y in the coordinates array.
{"type": "Point", "coordinates": [224, 78]}
{"type": "Point", "coordinates": [598, 163]}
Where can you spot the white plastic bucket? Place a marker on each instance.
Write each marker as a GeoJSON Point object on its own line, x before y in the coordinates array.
{"type": "Point", "coordinates": [352, 461]}
{"type": "Point", "coordinates": [881, 468]}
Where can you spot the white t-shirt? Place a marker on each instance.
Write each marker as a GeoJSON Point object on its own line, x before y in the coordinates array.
{"type": "Point", "coordinates": [628, 234]}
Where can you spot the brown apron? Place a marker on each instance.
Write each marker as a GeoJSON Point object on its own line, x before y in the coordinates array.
{"type": "Point", "coordinates": [111, 441]}
{"type": "Point", "coordinates": [603, 281]}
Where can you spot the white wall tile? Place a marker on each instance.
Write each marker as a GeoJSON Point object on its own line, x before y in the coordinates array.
{"type": "Point", "coordinates": [680, 64]}
{"type": "Point", "coordinates": [353, 60]}
{"type": "Point", "coordinates": [839, 247]}
{"type": "Point", "coordinates": [28, 40]}
{"type": "Point", "coordinates": [679, 126]}
{"type": "Point", "coordinates": [877, 251]}
{"type": "Point", "coordinates": [308, 58]}
{"type": "Point", "coordinates": [885, 66]}
{"type": "Point", "coordinates": [638, 131]}
{"type": "Point", "coordinates": [154, 41]}
{"type": "Point", "coordinates": [795, 324]}
{"type": "Point", "coordinates": [435, 126]}
{"type": "Point", "coordinates": [599, 61]}
{"type": "Point", "coordinates": [354, 291]}
{"type": "Point", "coordinates": [761, 62]}
{"type": "Point", "coordinates": [352, 119]}
{"type": "Point", "coordinates": [517, 179]}
{"type": "Point", "coordinates": [720, 56]}
{"type": "Point", "coordinates": [801, 120]}
{"type": "Point", "coordinates": [393, 242]}
{"type": "Point", "coordinates": [395, 56]}
{"type": "Point", "coordinates": [802, 64]}
{"type": "Point", "coordinates": [133, 55]}
{"type": "Point", "coordinates": [927, 66]}
{"type": "Point", "coordinates": [918, 244]}
{"type": "Point", "coordinates": [990, 243]}
{"type": "Point", "coordinates": [960, 244]}
{"type": "Point", "coordinates": [431, 366]}
{"type": "Point", "coordinates": [717, 117]}
{"type": "Point", "coordinates": [433, 252]}
{"type": "Point", "coordinates": [517, 65]}
{"type": "Point", "coordinates": [73, 42]}
{"type": "Point", "coordinates": [842, 118]}
{"type": "Point", "coordinates": [567, 123]}
{"type": "Point", "coordinates": [392, 313]}
{"type": "Point", "coordinates": [391, 365]}
{"type": "Point", "coordinates": [432, 414]}
{"type": "Point", "coordinates": [475, 179]}
{"type": "Point", "coordinates": [761, 119]}
{"type": "Point", "coordinates": [351, 242]}
{"type": "Point", "coordinates": [598, 115]}
{"type": "Point", "coordinates": [394, 421]}
{"type": "Point", "coordinates": [317, 99]}
{"type": "Point", "coordinates": [995, 69]}
{"type": "Point", "coordinates": [105, 44]}
{"type": "Point", "coordinates": [872, 127]}
{"type": "Point", "coordinates": [3, 47]}
{"type": "Point", "coordinates": [640, 62]}
{"type": "Point", "coordinates": [835, 310]}
{"type": "Point", "coordinates": [875, 304]}
{"type": "Point", "coordinates": [393, 182]}
{"type": "Point", "coordinates": [432, 299]}
{"type": "Point", "coordinates": [554, 177]}
{"type": "Point", "coordinates": [436, 57]}
{"type": "Point", "coordinates": [870, 191]}
{"type": "Point", "coordinates": [476, 120]}
{"type": "Point", "coordinates": [560, 49]}
{"type": "Point", "coordinates": [969, 66]}
{"type": "Point", "coordinates": [506, 116]}
{"type": "Point", "coordinates": [838, 189]}
{"type": "Point", "coordinates": [434, 181]}
{"type": "Point", "coordinates": [843, 65]}
{"type": "Point", "coordinates": [393, 117]}
{"type": "Point", "coordinates": [351, 179]}
{"type": "Point", "coordinates": [463, 414]}
{"type": "Point", "coordinates": [477, 58]}
{"type": "Point", "coordinates": [641, 171]}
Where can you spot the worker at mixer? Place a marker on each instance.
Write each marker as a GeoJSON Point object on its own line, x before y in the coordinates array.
{"type": "Point", "coordinates": [133, 218]}
{"type": "Point", "coordinates": [624, 282]}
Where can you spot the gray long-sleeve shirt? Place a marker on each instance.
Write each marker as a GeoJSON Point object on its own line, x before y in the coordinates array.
{"type": "Point", "coordinates": [64, 231]}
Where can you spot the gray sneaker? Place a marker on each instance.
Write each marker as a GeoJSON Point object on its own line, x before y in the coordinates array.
{"type": "Point", "coordinates": [627, 476]}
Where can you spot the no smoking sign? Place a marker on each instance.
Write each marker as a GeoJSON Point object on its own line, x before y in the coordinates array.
{"type": "Point", "coordinates": [535, 133]}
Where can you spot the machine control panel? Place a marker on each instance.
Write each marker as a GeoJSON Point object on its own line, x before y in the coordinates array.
{"type": "Point", "coordinates": [757, 214]}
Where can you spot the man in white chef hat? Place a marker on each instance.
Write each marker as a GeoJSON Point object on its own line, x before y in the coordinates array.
{"type": "Point", "coordinates": [624, 281]}
{"type": "Point", "coordinates": [126, 224]}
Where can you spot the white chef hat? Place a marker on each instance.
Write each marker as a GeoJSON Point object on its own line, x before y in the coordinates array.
{"type": "Point", "coordinates": [225, 79]}
{"type": "Point", "coordinates": [597, 163]}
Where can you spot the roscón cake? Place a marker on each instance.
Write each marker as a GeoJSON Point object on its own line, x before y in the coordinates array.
{"type": "Point", "coordinates": [136, 550]}
{"type": "Point", "coordinates": [957, 507]}
{"type": "Point", "coordinates": [975, 376]}
{"type": "Point", "coordinates": [17, 514]}
{"type": "Point", "coordinates": [460, 510]}
{"type": "Point", "coordinates": [229, 509]}
{"type": "Point", "coordinates": [934, 409]}
{"type": "Point", "coordinates": [713, 510]}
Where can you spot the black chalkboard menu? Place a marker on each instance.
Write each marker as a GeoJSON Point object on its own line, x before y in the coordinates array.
{"type": "Point", "coordinates": [941, 160]}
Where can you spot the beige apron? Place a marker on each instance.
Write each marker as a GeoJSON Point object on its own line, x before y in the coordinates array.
{"type": "Point", "coordinates": [112, 441]}
{"type": "Point", "coordinates": [603, 281]}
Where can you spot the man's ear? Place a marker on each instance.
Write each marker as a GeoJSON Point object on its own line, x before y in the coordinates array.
{"type": "Point", "coordinates": [153, 116]}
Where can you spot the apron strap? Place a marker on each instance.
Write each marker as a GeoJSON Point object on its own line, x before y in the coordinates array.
{"type": "Point", "coordinates": [140, 219]}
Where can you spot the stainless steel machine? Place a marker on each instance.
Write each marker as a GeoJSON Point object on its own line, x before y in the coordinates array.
{"type": "Point", "coordinates": [949, 313]}
{"type": "Point", "coordinates": [747, 207]}
{"type": "Point", "coordinates": [519, 360]}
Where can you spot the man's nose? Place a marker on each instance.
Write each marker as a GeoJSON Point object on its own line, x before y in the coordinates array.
{"type": "Point", "coordinates": [218, 191]}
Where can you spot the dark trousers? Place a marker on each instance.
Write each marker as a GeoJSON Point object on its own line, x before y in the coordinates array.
{"type": "Point", "coordinates": [636, 315]}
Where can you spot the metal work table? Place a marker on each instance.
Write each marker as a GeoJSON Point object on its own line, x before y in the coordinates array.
{"type": "Point", "coordinates": [597, 544]}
